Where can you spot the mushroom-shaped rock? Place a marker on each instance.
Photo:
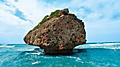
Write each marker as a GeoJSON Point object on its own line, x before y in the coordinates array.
{"type": "Point", "coordinates": [57, 34]}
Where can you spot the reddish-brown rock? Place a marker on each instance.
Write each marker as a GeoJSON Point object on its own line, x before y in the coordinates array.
{"type": "Point", "coordinates": [58, 33]}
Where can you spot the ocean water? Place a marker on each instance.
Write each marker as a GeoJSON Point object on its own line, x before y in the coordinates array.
{"type": "Point", "coordinates": [96, 54]}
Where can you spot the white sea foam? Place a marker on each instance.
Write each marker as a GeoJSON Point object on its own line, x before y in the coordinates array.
{"type": "Point", "coordinates": [24, 49]}
{"type": "Point", "coordinates": [104, 45]}
{"type": "Point", "coordinates": [5, 46]}
{"type": "Point", "coordinates": [35, 53]}
{"type": "Point", "coordinates": [36, 62]}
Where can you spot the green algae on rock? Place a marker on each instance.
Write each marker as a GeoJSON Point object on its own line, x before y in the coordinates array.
{"type": "Point", "coordinates": [57, 33]}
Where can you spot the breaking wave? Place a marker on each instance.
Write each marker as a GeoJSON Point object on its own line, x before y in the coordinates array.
{"type": "Point", "coordinates": [105, 45]}
{"type": "Point", "coordinates": [6, 46]}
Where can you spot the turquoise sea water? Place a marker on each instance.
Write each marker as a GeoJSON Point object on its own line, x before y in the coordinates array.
{"type": "Point", "coordinates": [97, 54]}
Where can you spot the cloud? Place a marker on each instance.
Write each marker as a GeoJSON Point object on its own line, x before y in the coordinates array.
{"type": "Point", "coordinates": [16, 18]}
{"type": "Point", "coordinates": [101, 17]}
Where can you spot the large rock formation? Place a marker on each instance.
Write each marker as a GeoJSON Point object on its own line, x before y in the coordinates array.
{"type": "Point", "coordinates": [58, 33]}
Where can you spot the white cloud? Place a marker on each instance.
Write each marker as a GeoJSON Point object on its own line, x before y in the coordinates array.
{"type": "Point", "coordinates": [102, 23]}
{"type": "Point", "coordinates": [96, 15]}
{"type": "Point", "coordinates": [12, 27]}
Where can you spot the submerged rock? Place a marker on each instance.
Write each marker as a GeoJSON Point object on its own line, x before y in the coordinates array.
{"type": "Point", "coordinates": [58, 33]}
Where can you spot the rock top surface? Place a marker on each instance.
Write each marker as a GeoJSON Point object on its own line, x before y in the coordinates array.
{"type": "Point", "coordinates": [57, 33]}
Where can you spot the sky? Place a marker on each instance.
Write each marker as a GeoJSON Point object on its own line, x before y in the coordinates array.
{"type": "Point", "coordinates": [101, 17]}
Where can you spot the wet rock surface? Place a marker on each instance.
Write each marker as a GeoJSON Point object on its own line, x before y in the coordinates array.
{"type": "Point", "coordinates": [58, 33]}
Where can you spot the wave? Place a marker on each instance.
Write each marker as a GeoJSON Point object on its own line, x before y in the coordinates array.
{"type": "Point", "coordinates": [28, 48]}
{"type": "Point", "coordinates": [25, 49]}
{"type": "Point", "coordinates": [36, 62]}
{"type": "Point", "coordinates": [105, 45]}
{"type": "Point", "coordinates": [6, 46]}
{"type": "Point", "coordinates": [92, 45]}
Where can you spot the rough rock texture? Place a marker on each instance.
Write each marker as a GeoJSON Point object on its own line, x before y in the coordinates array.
{"type": "Point", "coordinates": [58, 33]}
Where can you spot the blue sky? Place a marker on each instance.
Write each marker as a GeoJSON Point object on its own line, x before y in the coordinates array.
{"type": "Point", "coordinates": [101, 17]}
